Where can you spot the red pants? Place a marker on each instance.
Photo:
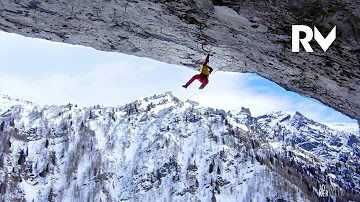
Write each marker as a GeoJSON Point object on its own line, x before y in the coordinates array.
{"type": "Point", "coordinates": [203, 79]}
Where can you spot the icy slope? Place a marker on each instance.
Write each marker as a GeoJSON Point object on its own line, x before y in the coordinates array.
{"type": "Point", "coordinates": [155, 149]}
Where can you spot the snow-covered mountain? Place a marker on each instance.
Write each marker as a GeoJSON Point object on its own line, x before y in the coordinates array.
{"type": "Point", "coordinates": [327, 141]}
{"type": "Point", "coordinates": [163, 149]}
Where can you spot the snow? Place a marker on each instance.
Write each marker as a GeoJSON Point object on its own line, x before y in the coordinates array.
{"type": "Point", "coordinates": [332, 176]}
{"type": "Point", "coordinates": [130, 152]}
{"type": "Point", "coordinates": [348, 127]}
{"type": "Point", "coordinates": [130, 158]}
{"type": "Point", "coordinates": [226, 198]}
{"type": "Point", "coordinates": [30, 193]}
{"type": "Point", "coordinates": [229, 15]}
{"type": "Point", "coordinates": [275, 145]}
{"type": "Point", "coordinates": [242, 126]}
{"type": "Point", "coordinates": [6, 103]}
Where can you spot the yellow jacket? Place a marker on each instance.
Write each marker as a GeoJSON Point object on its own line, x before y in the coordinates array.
{"type": "Point", "coordinates": [206, 70]}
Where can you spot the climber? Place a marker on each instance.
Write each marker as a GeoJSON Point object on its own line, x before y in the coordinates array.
{"type": "Point", "coordinates": [203, 77]}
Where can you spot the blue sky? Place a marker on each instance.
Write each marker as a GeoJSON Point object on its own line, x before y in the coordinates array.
{"type": "Point", "coordinates": [54, 73]}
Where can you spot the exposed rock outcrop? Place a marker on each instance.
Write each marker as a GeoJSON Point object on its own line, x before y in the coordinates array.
{"type": "Point", "coordinates": [246, 36]}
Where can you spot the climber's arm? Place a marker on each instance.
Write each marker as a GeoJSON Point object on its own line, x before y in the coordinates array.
{"type": "Point", "coordinates": [210, 69]}
{"type": "Point", "coordinates": [207, 59]}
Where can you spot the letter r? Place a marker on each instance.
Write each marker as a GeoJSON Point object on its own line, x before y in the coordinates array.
{"type": "Point", "coordinates": [296, 29]}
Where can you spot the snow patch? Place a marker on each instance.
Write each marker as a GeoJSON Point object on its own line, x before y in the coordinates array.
{"type": "Point", "coordinates": [229, 15]}
{"type": "Point", "coordinates": [346, 127]}
{"type": "Point", "coordinates": [29, 191]}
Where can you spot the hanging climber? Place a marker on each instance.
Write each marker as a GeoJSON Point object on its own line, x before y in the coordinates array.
{"type": "Point", "coordinates": [203, 77]}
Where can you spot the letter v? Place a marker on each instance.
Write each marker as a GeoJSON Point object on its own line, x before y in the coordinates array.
{"type": "Point", "coordinates": [325, 42]}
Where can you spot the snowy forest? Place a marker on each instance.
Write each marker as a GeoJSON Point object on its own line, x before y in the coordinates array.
{"type": "Point", "coordinates": [163, 149]}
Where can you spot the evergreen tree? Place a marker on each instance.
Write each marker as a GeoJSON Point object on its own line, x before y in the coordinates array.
{"type": "Point", "coordinates": [211, 167]}
{"type": "Point", "coordinates": [2, 126]}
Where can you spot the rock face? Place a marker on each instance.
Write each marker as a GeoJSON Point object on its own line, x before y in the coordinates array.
{"type": "Point", "coordinates": [246, 36]}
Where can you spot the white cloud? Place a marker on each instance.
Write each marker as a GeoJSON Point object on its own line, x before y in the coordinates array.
{"type": "Point", "coordinates": [108, 84]}
{"type": "Point", "coordinates": [117, 84]}
{"type": "Point", "coordinates": [89, 77]}
{"type": "Point", "coordinates": [235, 91]}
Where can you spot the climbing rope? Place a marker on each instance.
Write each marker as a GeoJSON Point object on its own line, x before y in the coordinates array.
{"type": "Point", "coordinates": [208, 51]}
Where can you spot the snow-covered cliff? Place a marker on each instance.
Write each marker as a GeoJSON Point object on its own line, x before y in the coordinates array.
{"type": "Point", "coordinates": [161, 149]}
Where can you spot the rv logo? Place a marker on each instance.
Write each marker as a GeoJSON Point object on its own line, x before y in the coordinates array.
{"type": "Point", "coordinates": [323, 42]}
